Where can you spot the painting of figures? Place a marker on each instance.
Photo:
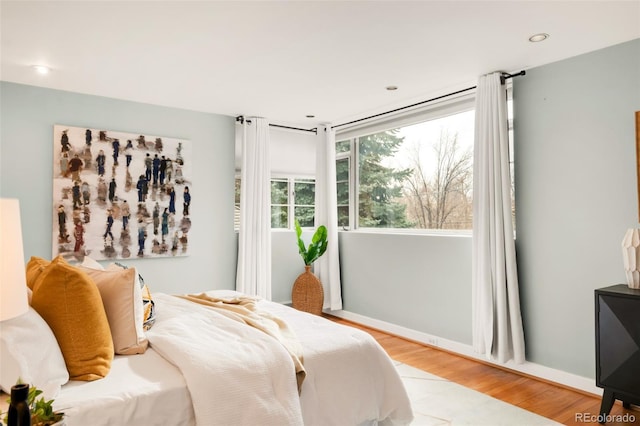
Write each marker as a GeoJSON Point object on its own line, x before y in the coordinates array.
{"type": "Point", "coordinates": [120, 195]}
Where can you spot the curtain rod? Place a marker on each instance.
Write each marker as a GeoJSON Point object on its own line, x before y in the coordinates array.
{"type": "Point", "coordinates": [241, 119]}
{"type": "Point", "coordinates": [503, 78]}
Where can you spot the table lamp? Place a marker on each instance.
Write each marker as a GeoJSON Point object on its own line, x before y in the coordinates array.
{"type": "Point", "coordinates": [13, 281]}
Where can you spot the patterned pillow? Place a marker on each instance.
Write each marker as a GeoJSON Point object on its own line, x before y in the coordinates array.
{"type": "Point", "coordinates": [149, 308]}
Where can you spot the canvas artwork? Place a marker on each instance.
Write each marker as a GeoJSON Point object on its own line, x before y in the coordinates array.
{"type": "Point", "coordinates": [120, 195]}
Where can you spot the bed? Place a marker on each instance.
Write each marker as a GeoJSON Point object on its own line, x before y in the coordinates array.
{"type": "Point", "coordinates": [203, 367]}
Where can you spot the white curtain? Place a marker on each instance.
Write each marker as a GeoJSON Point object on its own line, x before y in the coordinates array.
{"type": "Point", "coordinates": [327, 268]}
{"type": "Point", "coordinates": [254, 240]}
{"type": "Point", "coordinates": [497, 322]}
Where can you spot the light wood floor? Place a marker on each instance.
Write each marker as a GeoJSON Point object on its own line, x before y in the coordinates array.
{"type": "Point", "coordinates": [548, 400]}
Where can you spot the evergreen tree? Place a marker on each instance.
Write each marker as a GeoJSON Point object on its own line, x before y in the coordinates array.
{"type": "Point", "coordinates": [305, 199]}
{"type": "Point", "coordinates": [342, 188]}
{"type": "Point", "coordinates": [380, 186]}
{"type": "Point", "coordinates": [279, 203]}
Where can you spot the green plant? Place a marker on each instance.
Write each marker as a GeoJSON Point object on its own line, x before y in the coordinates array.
{"type": "Point", "coordinates": [317, 246]}
{"type": "Point", "coordinates": [42, 413]}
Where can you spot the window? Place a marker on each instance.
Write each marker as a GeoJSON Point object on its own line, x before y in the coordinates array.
{"type": "Point", "coordinates": [292, 195]}
{"type": "Point", "coordinates": [236, 209]}
{"type": "Point", "coordinates": [304, 200]}
{"type": "Point", "coordinates": [414, 176]}
{"type": "Point", "coordinates": [279, 203]}
{"type": "Point", "coordinates": [343, 182]}
{"type": "Point", "coordinates": [412, 173]}
{"type": "Point", "coordinates": [287, 195]}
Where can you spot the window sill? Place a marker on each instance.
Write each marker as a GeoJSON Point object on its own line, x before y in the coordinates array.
{"type": "Point", "coordinates": [417, 232]}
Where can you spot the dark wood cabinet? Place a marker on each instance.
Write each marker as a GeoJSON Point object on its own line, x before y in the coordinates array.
{"type": "Point", "coordinates": [618, 345]}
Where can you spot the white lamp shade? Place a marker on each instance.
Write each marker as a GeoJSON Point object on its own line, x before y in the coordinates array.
{"type": "Point", "coordinates": [13, 281]}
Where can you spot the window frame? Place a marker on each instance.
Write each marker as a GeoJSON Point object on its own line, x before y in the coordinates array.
{"type": "Point", "coordinates": [454, 105]}
{"type": "Point", "coordinates": [292, 200]}
{"type": "Point", "coordinates": [352, 183]}
{"type": "Point", "coordinates": [291, 180]}
{"type": "Point", "coordinates": [289, 191]}
{"type": "Point", "coordinates": [447, 107]}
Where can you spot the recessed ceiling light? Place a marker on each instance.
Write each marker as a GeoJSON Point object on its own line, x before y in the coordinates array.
{"type": "Point", "coordinates": [310, 116]}
{"type": "Point", "coordinates": [41, 69]}
{"type": "Point", "coordinates": [538, 37]}
{"type": "Point", "coordinates": [391, 87]}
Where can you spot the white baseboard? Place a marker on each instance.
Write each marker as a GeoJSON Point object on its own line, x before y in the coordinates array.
{"type": "Point", "coordinates": [564, 378]}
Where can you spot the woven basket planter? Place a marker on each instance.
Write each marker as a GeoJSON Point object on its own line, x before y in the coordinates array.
{"type": "Point", "coordinates": [307, 294]}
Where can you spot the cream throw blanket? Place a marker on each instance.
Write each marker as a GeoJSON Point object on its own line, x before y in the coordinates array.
{"type": "Point", "coordinates": [243, 309]}
{"type": "Point", "coordinates": [236, 375]}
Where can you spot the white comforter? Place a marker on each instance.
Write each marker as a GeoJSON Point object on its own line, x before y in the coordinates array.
{"type": "Point", "coordinates": [350, 379]}
{"type": "Point", "coordinates": [238, 375]}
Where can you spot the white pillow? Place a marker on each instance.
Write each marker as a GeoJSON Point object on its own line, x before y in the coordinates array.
{"type": "Point", "coordinates": [91, 263]}
{"type": "Point", "coordinates": [29, 351]}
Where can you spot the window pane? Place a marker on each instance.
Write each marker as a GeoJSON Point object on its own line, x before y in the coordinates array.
{"type": "Point", "coordinates": [279, 216]}
{"type": "Point", "coordinates": [236, 211]}
{"type": "Point", "coordinates": [342, 170]}
{"type": "Point", "coordinates": [343, 216]}
{"type": "Point", "coordinates": [343, 146]}
{"type": "Point", "coordinates": [305, 216]}
{"type": "Point", "coordinates": [418, 176]}
{"type": "Point", "coordinates": [343, 193]}
{"type": "Point", "coordinates": [279, 192]}
{"type": "Point", "coordinates": [380, 186]}
{"type": "Point", "coordinates": [305, 199]}
{"type": "Point", "coordinates": [342, 188]}
{"type": "Point", "coordinates": [305, 192]}
{"type": "Point", "coordinates": [238, 192]}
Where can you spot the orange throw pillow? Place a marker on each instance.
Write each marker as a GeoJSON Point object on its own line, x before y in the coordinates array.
{"type": "Point", "coordinates": [70, 303]}
{"type": "Point", "coordinates": [35, 266]}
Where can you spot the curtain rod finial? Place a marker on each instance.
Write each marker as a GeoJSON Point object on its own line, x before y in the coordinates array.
{"type": "Point", "coordinates": [505, 75]}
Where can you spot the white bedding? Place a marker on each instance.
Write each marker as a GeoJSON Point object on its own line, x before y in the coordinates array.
{"type": "Point", "coordinates": [350, 379]}
{"type": "Point", "coordinates": [236, 374]}
{"type": "Point", "coordinates": [229, 373]}
{"type": "Point", "coordinates": [139, 390]}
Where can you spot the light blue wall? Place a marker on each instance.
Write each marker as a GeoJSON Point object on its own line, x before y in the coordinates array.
{"type": "Point", "coordinates": [576, 195]}
{"type": "Point", "coordinates": [27, 117]}
{"type": "Point", "coordinates": [286, 264]}
{"type": "Point", "coordinates": [422, 282]}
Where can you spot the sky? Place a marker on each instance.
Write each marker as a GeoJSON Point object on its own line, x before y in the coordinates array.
{"type": "Point", "coordinates": [427, 134]}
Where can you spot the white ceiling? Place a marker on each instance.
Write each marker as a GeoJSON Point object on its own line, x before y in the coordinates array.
{"type": "Point", "coordinates": [284, 60]}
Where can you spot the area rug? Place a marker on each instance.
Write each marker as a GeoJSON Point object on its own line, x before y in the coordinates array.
{"type": "Point", "coordinates": [437, 401]}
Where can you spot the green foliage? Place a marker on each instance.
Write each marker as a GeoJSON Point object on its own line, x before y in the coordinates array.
{"type": "Point", "coordinates": [279, 203]}
{"type": "Point", "coordinates": [305, 199]}
{"type": "Point", "coordinates": [304, 210]}
{"type": "Point", "coordinates": [381, 186]}
{"type": "Point", "coordinates": [342, 187]}
{"type": "Point", "coordinates": [42, 413]}
{"type": "Point", "coordinates": [317, 246]}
